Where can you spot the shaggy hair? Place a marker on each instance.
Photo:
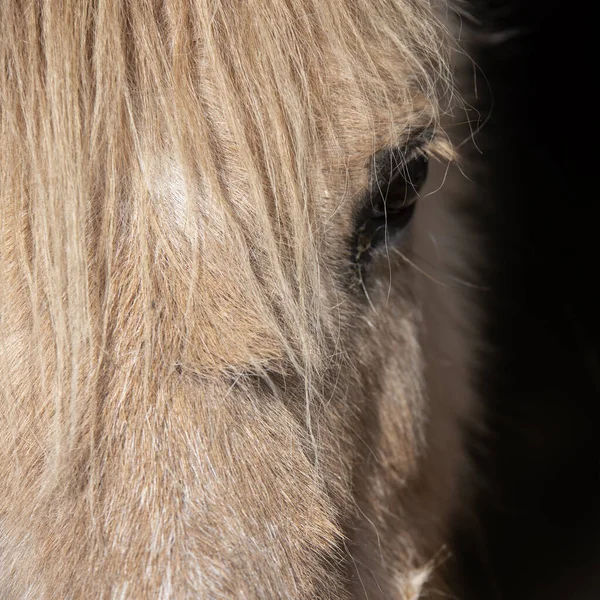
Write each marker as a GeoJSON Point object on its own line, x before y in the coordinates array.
{"type": "Point", "coordinates": [197, 398]}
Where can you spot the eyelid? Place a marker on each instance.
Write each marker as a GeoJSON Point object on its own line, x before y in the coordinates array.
{"type": "Point", "coordinates": [389, 161]}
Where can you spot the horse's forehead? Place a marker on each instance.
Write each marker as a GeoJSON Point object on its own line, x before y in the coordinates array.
{"type": "Point", "coordinates": [288, 118]}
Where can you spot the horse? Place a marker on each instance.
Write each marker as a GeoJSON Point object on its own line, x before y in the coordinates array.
{"type": "Point", "coordinates": [212, 367]}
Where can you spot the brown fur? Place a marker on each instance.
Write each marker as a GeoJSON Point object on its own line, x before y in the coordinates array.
{"type": "Point", "coordinates": [198, 401]}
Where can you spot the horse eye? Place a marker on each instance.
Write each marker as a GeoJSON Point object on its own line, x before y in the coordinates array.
{"type": "Point", "coordinates": [391, 204]}
{"type": "Point", "coordinates": [399, 192]}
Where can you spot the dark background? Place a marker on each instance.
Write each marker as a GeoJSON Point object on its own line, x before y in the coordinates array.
{"type": "Point", "coordinates": [537, 521]}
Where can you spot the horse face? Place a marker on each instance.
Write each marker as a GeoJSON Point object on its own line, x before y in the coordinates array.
{"type": "Point", "coordinates": [212, 374]}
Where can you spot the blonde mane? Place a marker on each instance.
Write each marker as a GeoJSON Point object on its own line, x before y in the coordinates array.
{"type": "Point", "coordinates": [168, 175]}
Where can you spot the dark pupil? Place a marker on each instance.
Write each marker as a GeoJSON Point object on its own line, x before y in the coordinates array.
{"type": "Point", "coordinates": [391, 205]}
{"type": "Point", "coordinates": [401, 190]}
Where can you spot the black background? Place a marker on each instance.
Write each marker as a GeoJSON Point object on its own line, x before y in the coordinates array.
{"type": "Point", "coordinates": [538, 503]}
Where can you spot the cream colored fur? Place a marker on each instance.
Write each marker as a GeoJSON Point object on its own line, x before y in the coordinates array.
{"type": "Point", "coordinates": [197, 400]}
